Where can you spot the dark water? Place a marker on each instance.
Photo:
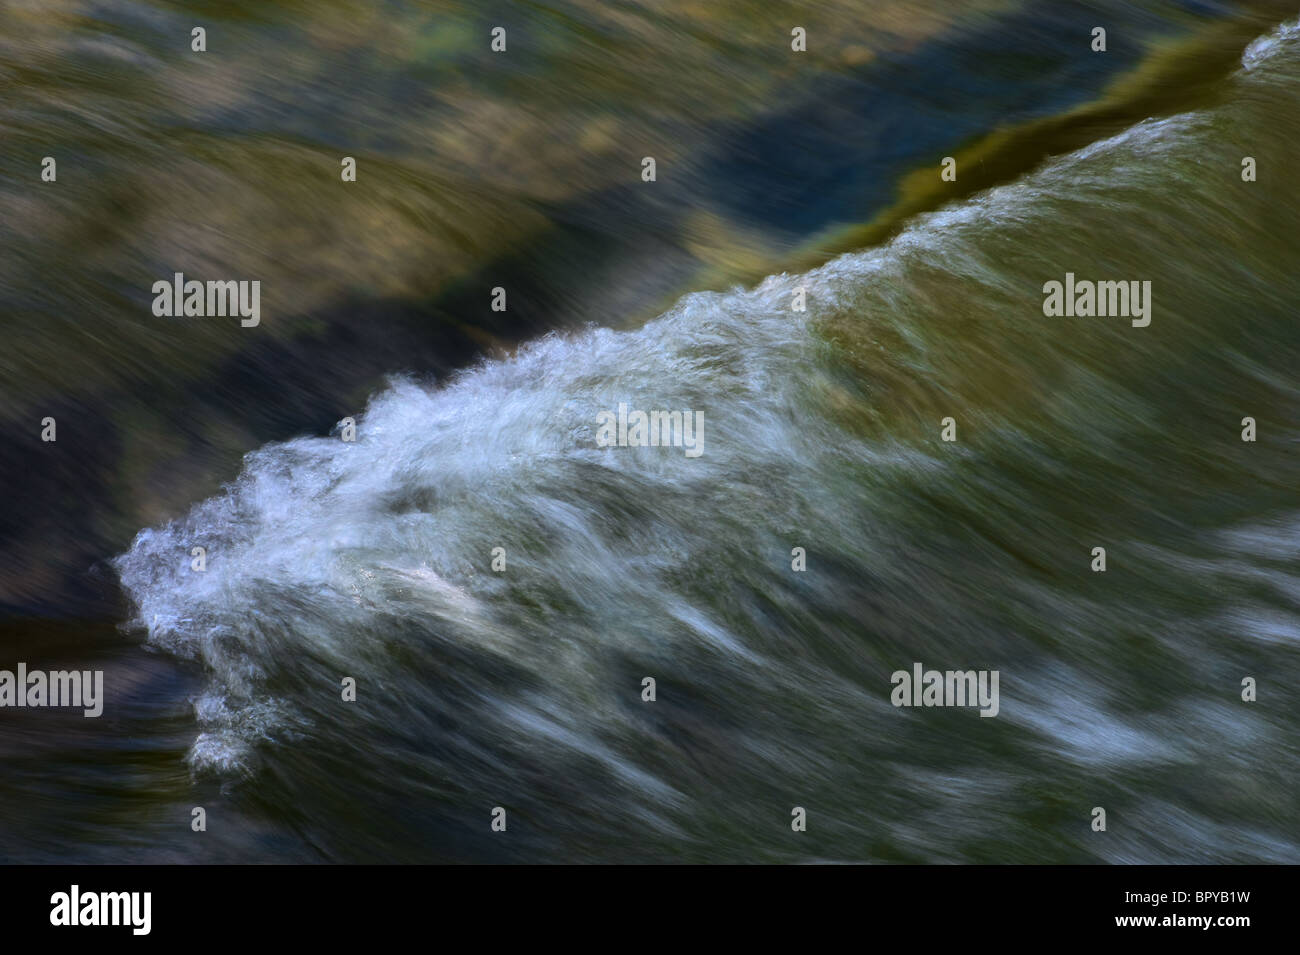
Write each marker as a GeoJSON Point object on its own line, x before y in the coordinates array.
{"type": "Point", "coordinates": [522, 689]}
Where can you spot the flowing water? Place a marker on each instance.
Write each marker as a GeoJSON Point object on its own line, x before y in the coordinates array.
{"type": "Point", "coordinates": [522, 688]}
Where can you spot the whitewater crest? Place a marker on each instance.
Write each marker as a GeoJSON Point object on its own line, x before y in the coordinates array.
{"type": "Point", "coordinates": [323, 549]}
{"type": "Point", "coordinates": [1266, 48]}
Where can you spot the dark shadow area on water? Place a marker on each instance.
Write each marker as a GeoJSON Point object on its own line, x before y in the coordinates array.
{"type": "Point", "coordinates": [836, 157]}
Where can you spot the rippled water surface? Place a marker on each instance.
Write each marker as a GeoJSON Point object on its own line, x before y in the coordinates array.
{"type": "Point", "coordinates": [476, 430]}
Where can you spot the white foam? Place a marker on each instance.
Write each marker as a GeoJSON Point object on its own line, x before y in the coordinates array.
{"type": "Point", "coordinates": [1267, 47]}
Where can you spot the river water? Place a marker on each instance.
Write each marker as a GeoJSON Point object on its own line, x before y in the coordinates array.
{"type": "Point", "coordinates": [477, 433]}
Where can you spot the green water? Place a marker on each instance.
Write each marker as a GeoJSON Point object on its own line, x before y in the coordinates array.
{"type": "Point", "coordinates": [823, 430]}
